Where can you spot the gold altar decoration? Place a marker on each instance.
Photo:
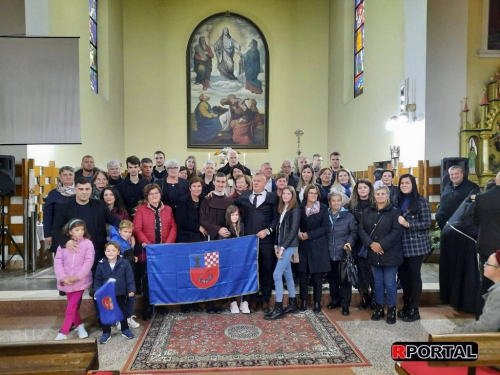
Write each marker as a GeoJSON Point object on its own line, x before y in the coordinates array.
{"type": "Point", "coordinates": [480, 142]}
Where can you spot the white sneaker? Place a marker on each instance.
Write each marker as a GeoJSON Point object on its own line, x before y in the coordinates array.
{"type": "Point", "coordinates": [61, 336]}
{"type": "Point", "coordinates": [234, 308]}
{"type": "Point", "coordinates": [118, 326]}
{"type": "Point", "coordinates": [244, 307]}
{"type": "Point", "coordinates": [81, 332]}
{"type": "Point", "coordinates": [132, 323]}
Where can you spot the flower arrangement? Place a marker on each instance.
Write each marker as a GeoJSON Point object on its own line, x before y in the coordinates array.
{"type": "Point", "coordinates": [225, 151]}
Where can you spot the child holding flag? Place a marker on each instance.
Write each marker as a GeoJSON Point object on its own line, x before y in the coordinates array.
{"type": "Point", "coordinates": [122, 236]}
{"type": "Point", "coordinates": [113, 266]}
{"type": "Point", "coordinates": [73, 273]}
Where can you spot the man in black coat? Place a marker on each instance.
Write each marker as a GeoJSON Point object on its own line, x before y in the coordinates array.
{"type": "Point", "coordinates": [131, 189]}
{"type": "Point", "coordinates": [286, 168]}
{"type": "Point", "coordinates": [454, 194]}
{"type": "Point", "coordinates": [93, 212]}
{"type": "Point", "coordinates": [232, 161]}
{"type": "Point", "coordinates": [487, 217]}
{"type": "Point", "coordinates": [260, 217]}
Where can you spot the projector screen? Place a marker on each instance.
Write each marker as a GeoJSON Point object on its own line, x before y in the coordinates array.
{"type": "Point", "coordinates": [39, 91]}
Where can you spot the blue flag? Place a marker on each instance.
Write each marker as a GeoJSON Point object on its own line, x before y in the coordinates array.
{"type": "Point", "coordinates": [202, 271]}
{"type": "Point", "coordinates": [109, 311]}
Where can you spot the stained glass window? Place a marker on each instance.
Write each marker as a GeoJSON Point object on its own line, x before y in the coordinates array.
{"type": "Point", "coordinates": [93, 44]}
{"type": "Point", "coordinates": [359, 47]}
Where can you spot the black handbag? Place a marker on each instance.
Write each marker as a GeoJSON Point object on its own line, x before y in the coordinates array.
{"type": "Point", "coordinates": [363, 251]}
{"type": "Point", "coordinates": [347, 269]}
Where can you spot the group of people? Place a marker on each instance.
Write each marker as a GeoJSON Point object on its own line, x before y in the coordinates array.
{"type": "Point", "coordinates": [307, 222]}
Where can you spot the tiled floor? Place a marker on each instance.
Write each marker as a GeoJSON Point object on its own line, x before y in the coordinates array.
{"type": "Point", "coordinates": [374, 339]}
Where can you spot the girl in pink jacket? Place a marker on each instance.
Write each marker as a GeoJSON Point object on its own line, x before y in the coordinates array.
{"type": "Point", "coordinates": [73, 273]}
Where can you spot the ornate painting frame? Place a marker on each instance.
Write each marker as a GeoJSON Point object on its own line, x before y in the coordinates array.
{"type": "Point", "coordinates": [227, 80]}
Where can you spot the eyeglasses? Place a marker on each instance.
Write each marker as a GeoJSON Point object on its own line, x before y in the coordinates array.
{"type": "Point", "coordinates": [491, 265]}
{"type": "Point", "coordinates": [173, 168]}
{"type": "Point", "coordinates": [155, 193]}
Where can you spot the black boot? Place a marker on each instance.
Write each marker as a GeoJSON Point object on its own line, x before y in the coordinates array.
{"type": "Point", "coordinates": [373, 303]}
{"type": "Point", "coordinates": [391, 314]}
{"type": "Point", "coordinates": [317, 307]}
{"type": "Point", "coordinates": [413, 313]}
{"type": "Point", "coordinates": [365, 301]}
{"type": "Point", "coordinates": [406, 307]}
{"type": "Point", "coordinates": [303, 304]}
{"type": "Point", "coordinates": [277, 312]}
{"type": "Point", "coordinates": [379, 312]}
{"type": "Point", "coordinates": [292, 307]}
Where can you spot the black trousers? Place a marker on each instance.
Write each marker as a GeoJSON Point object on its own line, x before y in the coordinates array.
{"type": "Point", "coordinates": [339, 291]}
{"type": "Point", "coordinates": [315, 278]}
{"type": "Point", "coordinates": [483, 289]}
{"type": "Point", "coordinates": [410, 277]}
{"type": "Point", "coordinates": [267, 264]}
{"type": "Point", "coordinates": [122, 303]}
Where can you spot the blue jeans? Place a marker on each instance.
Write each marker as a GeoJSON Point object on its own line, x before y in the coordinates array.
{"type": "Point", "coordinates": [384, 278]}
{"type": "Point", "coordinates": [284, 266]}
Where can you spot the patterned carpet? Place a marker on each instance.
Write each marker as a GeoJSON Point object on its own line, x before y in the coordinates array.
{"type": "Point", "coordinates": [199, 341]}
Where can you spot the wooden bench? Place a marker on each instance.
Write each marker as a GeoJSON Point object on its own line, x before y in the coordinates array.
{"type": "Point", "coordinates": [49, 357]}
{"type": "Point", "coordinates": [489, 355]}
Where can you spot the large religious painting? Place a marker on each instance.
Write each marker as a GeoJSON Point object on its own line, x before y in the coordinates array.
{"type": "Point", "coordinates": [227, 84]}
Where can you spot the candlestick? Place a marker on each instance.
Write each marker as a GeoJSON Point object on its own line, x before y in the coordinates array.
{"type": "Point", "coordinates": [244, 159]}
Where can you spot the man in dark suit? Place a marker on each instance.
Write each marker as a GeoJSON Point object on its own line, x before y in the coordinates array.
{"type": "Point", "coordinates": [260, 217]}
{"type": "Point", "coordinates": [286, 168]}
{"type": "Point", "coordinates": [487, 217]}
{"type": "Point", "coordinates": [93, 212]}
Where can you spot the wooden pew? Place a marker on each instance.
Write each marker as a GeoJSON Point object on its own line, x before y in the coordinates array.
{"type": "Point", "coordinates": [49, 357]}
{"type": "Point", "coordinates": [489, 353]}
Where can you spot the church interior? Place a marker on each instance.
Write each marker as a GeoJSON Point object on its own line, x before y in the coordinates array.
{"type": "Point", "coordinates": [435, 50]}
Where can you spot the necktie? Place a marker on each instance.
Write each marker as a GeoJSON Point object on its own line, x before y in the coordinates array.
{"type": "Point", "coordinates": [255, 199]}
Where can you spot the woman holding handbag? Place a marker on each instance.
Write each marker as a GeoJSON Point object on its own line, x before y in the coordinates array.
{"type": "Point", "coordinates": [362, 197]}
{"type": "Point", "coordinates": [345, 234]}
{"type": "Point", "coordinates": [380, 232]}
{"type": "Point", "coordinates": [415, 221]}
{"type": "Point", "coordinates": [286, 243]}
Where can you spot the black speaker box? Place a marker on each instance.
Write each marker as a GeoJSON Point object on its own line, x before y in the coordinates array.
{"type": "Point", "coordinates": [7, 174]}
{"type": "Point", "coordinates": [446, 163]}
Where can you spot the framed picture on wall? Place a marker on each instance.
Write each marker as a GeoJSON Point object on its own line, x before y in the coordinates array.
{"type": "Point", "coordinates": [227, 61]}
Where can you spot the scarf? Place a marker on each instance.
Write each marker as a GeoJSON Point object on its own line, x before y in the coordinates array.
{"type": "Point", "coordinates": [347, 188]}
{"type": "Point", "coordinates": [157, 223]}
{"type": "Point", "coordinates": [313, 210]}
{"type": "Point", "coordinates": [66, 191]}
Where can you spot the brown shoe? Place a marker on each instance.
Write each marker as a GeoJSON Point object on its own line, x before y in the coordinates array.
{"type": "Point", "coordinates": [253, 306]}
{"type": "Point", "coordinates": [265, 307]}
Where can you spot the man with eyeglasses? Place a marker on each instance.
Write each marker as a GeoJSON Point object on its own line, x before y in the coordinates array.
{"type": "Point", "coordinates": [131, 188]}
{"type": "Point", "coordinates": [489, 321]}
{"type": "Point", "coordinates": [487, 217]}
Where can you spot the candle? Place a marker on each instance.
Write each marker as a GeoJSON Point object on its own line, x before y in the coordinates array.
{"type": "Point", "coordinates": [244, 159]}
{"type": "Point", "coordinates": [31, 179]}
{"type": "Point", "coordinates": [208, 156]}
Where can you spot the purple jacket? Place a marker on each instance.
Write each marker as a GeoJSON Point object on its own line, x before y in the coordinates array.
{"type": "Point", "coordinates": [77, 264]}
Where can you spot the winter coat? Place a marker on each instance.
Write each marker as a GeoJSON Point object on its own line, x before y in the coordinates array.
{"type": "Point", "coordinates": [345, 230]}
{"type": "Point", "coordinates": [287, 233]}
{"type": "Point", "coordinates": [144, 226]}
{"type": "Point", "coordinates": [122, 272]}
{"type": "Point", "coordinates": [387, 233]}
{"type": "Point", "coordinates": [451, 198]}
{"type": "Point", "coordinates": [78, 265]}
{"type": "Point", "coordinates": [316, 249]}
{"type": "Point", "coordinates": [416, 240]}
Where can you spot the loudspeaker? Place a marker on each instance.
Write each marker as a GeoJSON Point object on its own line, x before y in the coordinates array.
{"type": "Point", "coordinates": [446, 163]}
{"type": "Point", "coordinates": [7, 174]}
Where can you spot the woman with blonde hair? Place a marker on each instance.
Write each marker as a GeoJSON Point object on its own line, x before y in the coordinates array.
{"type": "Point", "coordinates": [190, 164]}
{"type": "Point", "coordinates": [344, 182]}
{"type": "Point", "coordinates": [306, 178]}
